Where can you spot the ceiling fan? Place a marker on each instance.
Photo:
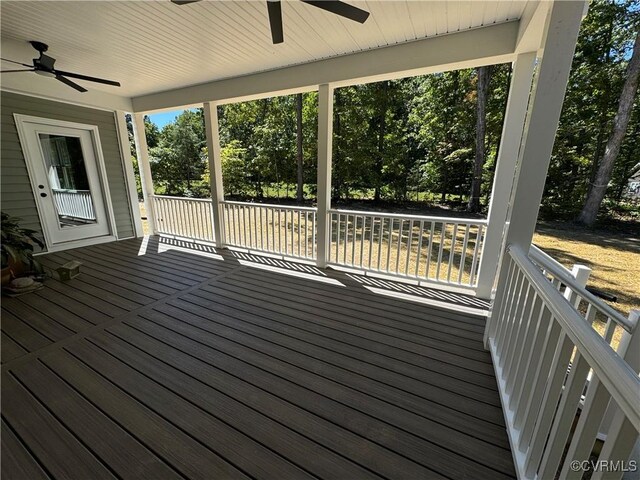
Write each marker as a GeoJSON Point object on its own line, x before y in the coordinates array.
{"type": "Point", "coordinates": [274, 8]}
{"type": "Point", "coordinates": [43, 65]}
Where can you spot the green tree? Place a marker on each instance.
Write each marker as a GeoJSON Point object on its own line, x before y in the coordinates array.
{"type": "Point", "coordinates": [597, 76]}
{"type": "Point", "coordinates": [176, 161]}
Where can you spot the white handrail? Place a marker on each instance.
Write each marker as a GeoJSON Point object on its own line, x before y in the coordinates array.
{"type": "Point", "coordinates": [560, 272]}
{"type": "Point", "coordinates": [281, 229]}
{"type": "Point", "coordinates": [428, 249]}
{"type": "Point", "coordinates": [426, 218]}
{"type": "Point", "coordinates": [271, 205]}
{"type": "Point", "coordinates": [183, 198]}
{"type": "Point", "coordinates": [599, 355]}
{"type": "Point", "coordinates": [183, 217]}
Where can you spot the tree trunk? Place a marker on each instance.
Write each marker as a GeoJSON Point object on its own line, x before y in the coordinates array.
{"type": "Point", "coordinates": [484, 75]}
{"type": "Point", "coordinates": [620, 123]}
{"type": "Point", "coordinates": [382, 125]}
{"type": "Point", "coordinates": [336, 179]}
{"type": "Point", "coordinates": [299, 192]}
{"type": "Point", "coordinates": [603, 107]}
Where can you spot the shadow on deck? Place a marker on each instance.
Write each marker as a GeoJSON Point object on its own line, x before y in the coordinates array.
{"type": "Point", "coordinates": [160, 361]}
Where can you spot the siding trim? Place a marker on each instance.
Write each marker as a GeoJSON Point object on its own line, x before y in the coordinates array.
{"type": "Point", "coordinates": [127, 163]}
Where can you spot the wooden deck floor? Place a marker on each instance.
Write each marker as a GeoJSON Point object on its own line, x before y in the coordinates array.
{"type": "Point", "coordinates": [176, 365]}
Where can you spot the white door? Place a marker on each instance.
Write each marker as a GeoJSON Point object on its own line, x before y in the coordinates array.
{"type": "Point", "coordinates": [66, 180]}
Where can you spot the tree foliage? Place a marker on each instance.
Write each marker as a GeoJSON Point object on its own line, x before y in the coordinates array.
{"type": "Point", "coordinates": [415, 138]}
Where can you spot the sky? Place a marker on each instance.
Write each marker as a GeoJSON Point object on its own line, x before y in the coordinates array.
{"type": "Point", "coordinates": [161, 119]}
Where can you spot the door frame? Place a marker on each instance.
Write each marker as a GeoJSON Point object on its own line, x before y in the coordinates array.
{"type": "Point", "coordinates": [21, 120]}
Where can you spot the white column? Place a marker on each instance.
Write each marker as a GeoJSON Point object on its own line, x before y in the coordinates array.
{"type": "Point", "coordinates": [215, 170]}
{"type": "Point", "coordinates": [545, 105]}
{"type": "Point", "coordinates": [325, 149]}
{"type": "Point", "coordinates": [513, 125]}
{"type": "Point", "coordinates": [130, 178]}
{"type": "Point", "coordinates": [145, 169]}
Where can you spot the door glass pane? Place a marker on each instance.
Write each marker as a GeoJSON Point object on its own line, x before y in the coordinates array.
{"type": "Point", "coordinates": [68, 179]}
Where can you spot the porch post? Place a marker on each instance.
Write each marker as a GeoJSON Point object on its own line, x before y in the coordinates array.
{"type": "Point", "coordinates": [127, 164]}
{"type": "Point", "coordinates": [513, 124]}
{"type": "Point", "coordinates": [215, 170]}
{"type": "Point", "coordinates": [545, 105]}
{"type": "Point", "coordinates": [146, 180]}
{"type": "Point", "coordinates": [325, 149]}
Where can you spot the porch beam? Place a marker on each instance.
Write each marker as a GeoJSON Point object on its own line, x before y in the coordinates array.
{"type": "Point", "coordinates": [146, 180]}
{"type": "Point", "coordinates": [472, 48]}
{"type": "Point", "coordinates": [325, 152]}
{"type": "Point", "coordinates": [215, 170]}
{"type": "Point", "coordinates": [512, 130]}
{"type": "Point", "coordinates": [127, 165]}
{"type": "Point", "coordinates": [545, 105]}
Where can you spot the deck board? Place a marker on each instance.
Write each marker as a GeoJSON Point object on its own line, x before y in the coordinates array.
{"type": "Point", "coordinates": [17, 463]}
{"type": "Point", "coordinates": [177, 364]}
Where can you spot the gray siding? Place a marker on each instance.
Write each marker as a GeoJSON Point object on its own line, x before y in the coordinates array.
{"type": "Point", "coordinates": [17, 196]}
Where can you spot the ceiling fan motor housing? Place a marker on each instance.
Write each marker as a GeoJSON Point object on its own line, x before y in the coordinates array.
{"type": "Point", "coordinates": [45, 62]}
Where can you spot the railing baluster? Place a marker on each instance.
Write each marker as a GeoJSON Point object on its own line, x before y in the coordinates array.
{"type": "Point", "coordinates": [362, 236]}
{"type": "Point", "coordinates": [345, 245]}
{"type": "Point", "coordinates": [524, 298]}
{"type": "Point", "coordinates": [452, 254]}
{"type": "Point", "coordinates": [476, 254]}
{"type": "Point", "coordinates": [401, 222]}
{"type": "Point", "coordinates": [430, 245]}
{"type": "Point", "coordinates": [380, 230]}
{"type": "Point", "coordinates": [510, 292]}
{"type": "Point", "coordinates": [279, 229]}
{"type": "Point", "coordinates": [273, 227]}
{"type": "Point", "coordinates": [293, 251]}
{"type": "Point", "coordinates": [564, 416]}
{"type": "Point", "coordinates": [419, 249]}
{"type": "Point", "coordinates": [521, 291]}
{"type": "Point", "coordinates": [389, 243]}
{"type": "Point", "coordinates": [307, 236]}
{"type": "Point", "coordinates": [558, 370]}
{"type": "Point", "coordinates": [463, 256]}
{"type": "Point", "coordinates": [443, 233]}
{"type": "Point", "coordinates": [409, 240]}
{"type": "Point", "coordinates": [354, 227]}
{"type": "Point", "coordinates": [299, 229]}
{"type": "Point", "coordinates": [370, 248]}
{"type": "Point", "coordinates": [313, 234]}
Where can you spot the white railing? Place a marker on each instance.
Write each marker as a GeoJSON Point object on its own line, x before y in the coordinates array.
{"type": "Point", "coordinates": [433, 249]}
{"type": "Point", "coordinates": [184, 217]}
{"type": "Point", "coordinates": [549, 361]}
{"type": "Point", "coordinates": [280, 229]}
{"type": "Point", "coordinates": [597, 313]}
{"type": "Point", "coordinates": [74, 203]}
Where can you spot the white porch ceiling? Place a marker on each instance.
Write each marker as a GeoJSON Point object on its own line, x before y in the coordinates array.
{"type": "Point", "coordinates": [153, 46]}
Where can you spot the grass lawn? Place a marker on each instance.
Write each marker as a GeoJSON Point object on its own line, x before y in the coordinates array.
{"type": "Point", "coordinates": [613, 256]}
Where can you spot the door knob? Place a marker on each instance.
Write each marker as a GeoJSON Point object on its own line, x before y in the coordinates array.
{"type": "Point", "coordinates": [43, 194]}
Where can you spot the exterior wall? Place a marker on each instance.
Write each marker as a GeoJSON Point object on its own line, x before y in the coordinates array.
{"type": "Point", "coordinates": [17, 196]}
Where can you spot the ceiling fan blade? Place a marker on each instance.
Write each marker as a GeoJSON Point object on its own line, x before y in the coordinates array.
{"type": "Point", "coordinates": [340, 8]}
{"type": "Point", "coordinates": [87, 78]}
{"type": "Point", "coordinates": [68, 82]}
{"type": "Point", "coordinates": [184, 2]}
{"type": "Point", "coordinates": [274, 7]}
{"type": "Point", "coordinates": [11, 71]}
{"type": "Point", "coordinates": [17, 63]}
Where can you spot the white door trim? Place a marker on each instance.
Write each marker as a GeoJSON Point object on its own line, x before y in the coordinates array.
{"type": "Point", "coordinates": [20, 121]}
